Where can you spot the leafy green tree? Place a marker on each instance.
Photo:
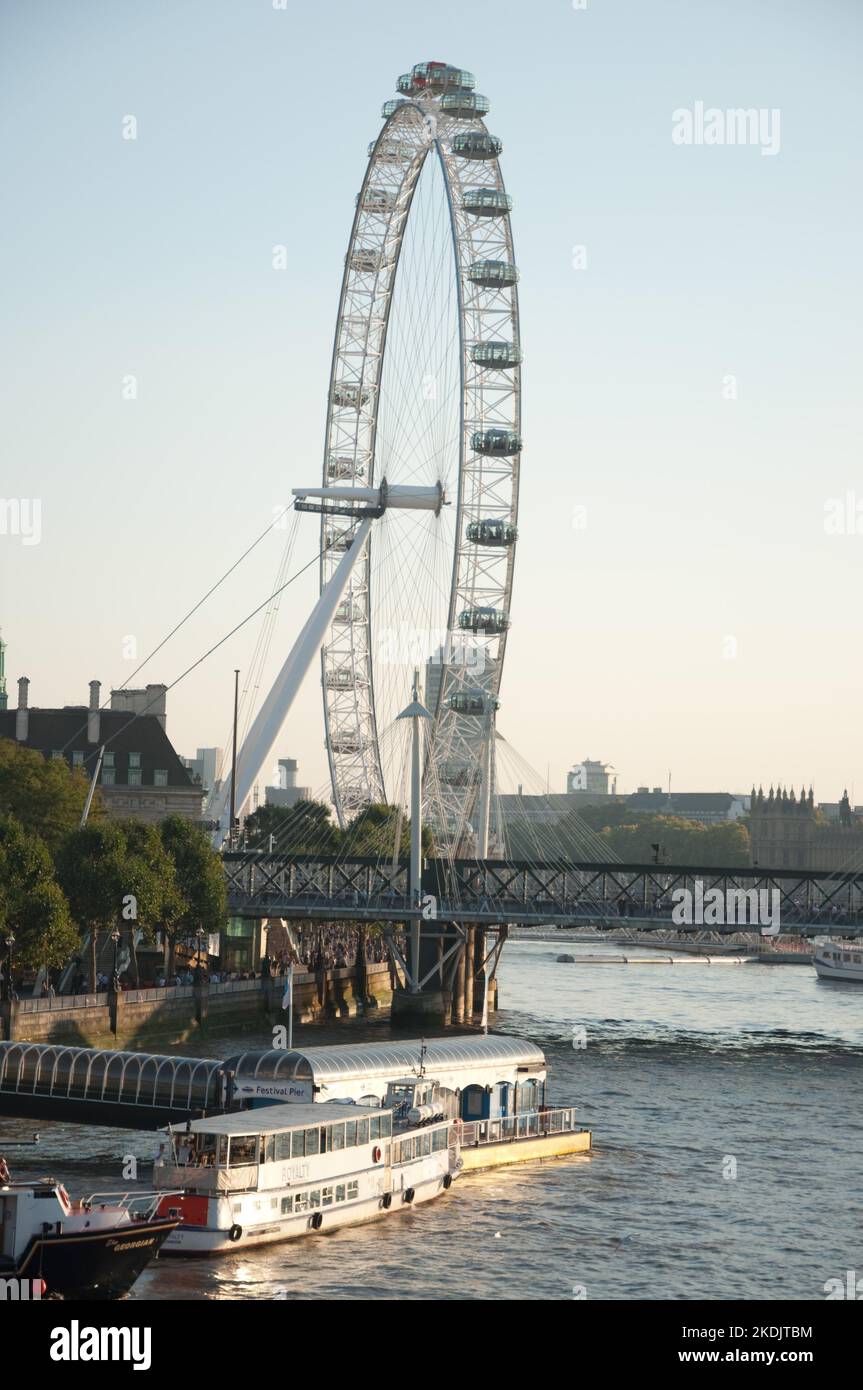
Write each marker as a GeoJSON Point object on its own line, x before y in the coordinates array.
{"type": "Point", "coordinates": [200, 881]}
{"type": "Point", "coordinates": [156, 901]}
{"type": "Point", "coordinates": [32, 904]}
{"type": "Point", "coordinates": [94, 871]}
{"type": "Point", "coordinates": [44, 794]}
{"type": "Point", "coordinates": [304, 828]}
{"type": "Point", "coordinates": [376, 829]}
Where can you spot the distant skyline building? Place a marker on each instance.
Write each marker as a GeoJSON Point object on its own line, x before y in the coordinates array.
{"type": "Point", "coordinates": [204, 767]}
{"type": "Point", "coordinates": [287, 793]}
{"type": "Point", "coordinates": [791, 832]}
{"type": "Point", "coordinates": [591, 776]}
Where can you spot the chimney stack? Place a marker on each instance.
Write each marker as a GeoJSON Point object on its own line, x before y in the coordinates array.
{"type": "Point", "coordinates": [22, 714]}
{"type": "Point", "coordinates": [93, 720]}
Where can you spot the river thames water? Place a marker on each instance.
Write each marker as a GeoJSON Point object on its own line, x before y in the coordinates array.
{"type": "Point", "coordinates": [687, 1075]}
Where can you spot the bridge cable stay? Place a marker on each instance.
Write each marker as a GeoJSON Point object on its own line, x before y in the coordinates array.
{"type": "Point", "coordinates": [176, 628]}
{"type": "Point", "coordinates": [253, 670]}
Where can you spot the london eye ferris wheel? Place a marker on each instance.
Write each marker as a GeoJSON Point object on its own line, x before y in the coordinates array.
{"type": "Point", "coordinates": [424, 397]}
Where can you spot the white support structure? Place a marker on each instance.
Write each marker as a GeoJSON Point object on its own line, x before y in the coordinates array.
{"type": "Point", "coordinates": [415, 711]}
{"type": "Point", "coordinates": [487, 755]}
{"type": "Point", "coordinates": [259, 741]}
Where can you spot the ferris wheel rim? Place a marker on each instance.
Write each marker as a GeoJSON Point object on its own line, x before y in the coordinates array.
{"type": "Point", "coordinates": [420, 120]}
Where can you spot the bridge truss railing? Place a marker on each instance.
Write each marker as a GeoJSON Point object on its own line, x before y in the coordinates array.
{"type": "Point", "coordinates": [513, 892]}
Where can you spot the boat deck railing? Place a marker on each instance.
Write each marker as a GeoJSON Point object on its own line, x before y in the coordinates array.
{"type": "Point", "coordinates": [141, 1206]}
{"type": "Point", "coordinates": [534, 1124]}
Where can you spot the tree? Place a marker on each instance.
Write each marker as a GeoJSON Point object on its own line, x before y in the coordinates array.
{"type": "Point", "coordinates": [156, 901]}
{"type": "Point", "coordinates": [44, 794]}
{"type": "Point", "coordinates": [200, 881]}
{"type": "Point", "coordinates": [32, 904]}
{"type": "Point", "coordinates": [304, 828]}
{"type": "Point", "coordinates": [95, 874]}
{"type": "Point", "coordinates": [374, 830]}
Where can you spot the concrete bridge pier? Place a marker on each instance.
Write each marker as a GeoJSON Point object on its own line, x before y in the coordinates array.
{"type": "Point", "coordinates": [434, 1000]}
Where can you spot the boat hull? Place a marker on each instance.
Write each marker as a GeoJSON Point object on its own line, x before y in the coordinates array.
{"type": "Point", "coordinates": [850, 974]}
{"type": "Point", "coordinates": [201, 1240]}
{"type": "Point", "coordinates": [474, 1158]}
{"type": "Point", "coordinates": [101, 1264]}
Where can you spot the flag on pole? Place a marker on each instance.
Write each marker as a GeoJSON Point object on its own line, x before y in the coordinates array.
{"type": "Point", "coordinates": [289, 989]}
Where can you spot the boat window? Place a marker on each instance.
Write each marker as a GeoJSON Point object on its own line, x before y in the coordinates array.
{"type": "Point", "coordinates": [301, 1201]}
{"type": "Point", "coordinates": [243, 1150]}
{"type": "Point", "coordinates": [315, 1198]}
{"type": "Point", "coordinates": [337, 1137]}
{"type": "Point", "coordinates": [375, 1127]}
{"type": "Point", "coordinates": [313, 1141]}
{"type": "Point", "coordinates": [353, 1191]}
{"type": "Point", "coordinates": [269, 1147]}
{"type": "Point", "coordinates": [440, 1140]}
{"type": "Point", "coordinates": [362, 1131]}
{"type": "Point", "coordinates": [298, 1147]}
{"type": "Point", "coordinates": [287, 1204]}
{"type": "Point", "coordinates": [283, 1145]}
{"type": "Point", "coordinates": [340, 1192]}
{"type": "Point", "coordinates": [327, 1196]}
{"type": "Point", "coordinates": [350, 1134]}
{"type": "Point", "coordinates": [237, 1209]}
{"type": "Point", "coordinates": [424, 1144]}
{"type": "Point", "coordinates": [386, 1126]}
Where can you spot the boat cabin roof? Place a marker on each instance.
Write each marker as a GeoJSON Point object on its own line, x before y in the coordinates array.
{"type": "Point", "coordinates": [383, 1061]}
{"type": "Point", "coordinates": [274, 1119]}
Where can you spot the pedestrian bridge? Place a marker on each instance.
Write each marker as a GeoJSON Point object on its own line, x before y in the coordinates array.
{"type": "Point", "coordinates": [494, 892]}
{"type": "Point", "coordinates": [92, 1085]}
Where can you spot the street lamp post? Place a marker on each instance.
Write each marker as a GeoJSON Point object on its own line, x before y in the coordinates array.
{"type": "Point", "coordinates": [199, 936]}
{"type": "Point", "coordinates": [115, 979]}
{"type": "Point", "coordinates": [7, 991]}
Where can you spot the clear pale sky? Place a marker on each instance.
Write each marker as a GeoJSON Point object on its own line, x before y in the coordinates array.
{"type": "Point", "coordinates": [705, 516]}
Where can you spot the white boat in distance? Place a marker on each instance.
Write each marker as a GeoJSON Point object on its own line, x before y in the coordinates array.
{"type": "Point", "coordinates": [839, 960]}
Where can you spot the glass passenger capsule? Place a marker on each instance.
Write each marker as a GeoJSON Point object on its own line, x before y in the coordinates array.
{"type": "Point", "coordinates": [390, 107]}
{"type": "Point", "coordinates": [434, 77]}
{"type": "Point", "coordinates": [392, 151]}
{"type": "Point", "coordinates": [486, 202]}
{"type": "Point", "coordinates": [339, 680]}
{"type": "Point", "coordinates": [345, 745]}
{"type": "Point", "coordinates": [492, 531]}
{"type": "Point", "coordinates": [493, 275]}
{"type": "Point", "coordinates": [338, 540]}
{"type": "Point", "coordinates": [496, 354]}
{"type": "Point", "coordinates": [471, 702]}
{"type": "Point", "coordinates": [340, 466]}
{"type": "Point", "coordinates": [459, 775]}
{"type": "Point", "coordinates": [466, 105]}
{"type": "Point", "coordinates": [366, 261]}
{"type": "Point", "coordinates": [491, 620]}
{"type": "Point", "coordinates": [349, 396]}
{"type": "Point", "coordinates": [377, 199]}
{"type": "Point", "coordinates": [476, 144]}
{"type": "Point", "coordinates": [348, 612]}
{"type": "Point", "coordinates": [496, 441]}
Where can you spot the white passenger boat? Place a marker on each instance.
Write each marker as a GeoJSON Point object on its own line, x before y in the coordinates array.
{"type": "Point", "coordinates": [283, 1171]}
{"type": "Point", "coordinates": [839, 960]}
{"type": "Point", "coordinates": [331, 1136]}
